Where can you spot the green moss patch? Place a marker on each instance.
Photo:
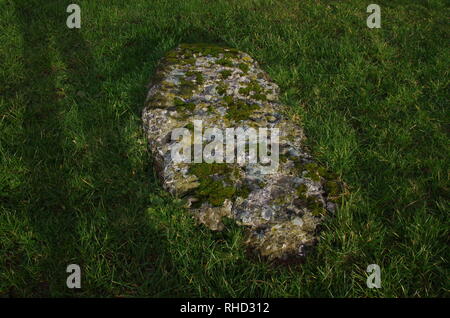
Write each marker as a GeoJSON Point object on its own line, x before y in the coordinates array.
{"type": "Point", "coordinates": [330, 181]}
{"type": "Point", "coordinates": [253, 90]}
{"type": "Point", "coordinates": [186, 88]}
{"type": "Point", "coordinates": [222, 88]}
{"type": "Point", "coordinates": [181, 105]}
{"type": "Point", "coordinates": [180, 57]}
{"type": "Point", "coordinates": [198, 76]}
{"type": "Point", "coordinates": [215, 183]}
{"type": "Point", "coordinates": [206, 49]}
{"type": "Point", "coordinates": [157, 100]}
{"type": "Point", "coordinates": [225, 62]}
{"type": "Point", "coordinates": [310, 202]}
{"type": "Point", "coordinates": [189, 126]}
{"type": "Point", "coordinates": [239, 110]}
{"type": "Point", "coordinates": [228, 99]}
{"type": "Point", "coordinates": [312, 171]}
{"type": "Point", "coordinates": [301, 191]}
{"type": "Point", "coordinates": [259, 96]}
{"type": "Point", "coordinates": [225, 73]}
{"type": "Point", "coordinates": [244, 67]}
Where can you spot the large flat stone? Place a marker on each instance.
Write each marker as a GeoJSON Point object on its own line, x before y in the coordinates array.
{"type": "Point", "coordinates": [224, 88]}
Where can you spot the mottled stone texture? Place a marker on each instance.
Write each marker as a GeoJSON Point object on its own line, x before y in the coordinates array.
{"type": "Point", "coordinates": [226, 88]}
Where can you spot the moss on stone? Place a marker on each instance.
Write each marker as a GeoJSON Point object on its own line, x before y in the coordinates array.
{"type": "Point", "coordinates": [215, 192]}
{"type": "Point", "coordinates": [222, 88]}
{"type": "Point", "coordinates": [225, 73]}
{"type": "Point", "coordinates": [316, 172]}
{"type": "Point", "coordinates": [189, 126]}
{"type": "Point", "coordinates": [215, 183]}
{"type": "Point", "coordinates": [181, 105]}
{"type": "Point", "coordinates": [243, 191]}
{"type": "Point", "coordinates": [283, 158]}
{"type": "Point", "coordinates": [261, 184]}
{"type": "Point", "coordinates": [298, 165]}
{"type": "Point", "coordinates": [259, 96]}
{"type": "Point", "coordinates": [244, 90]}
{"type": "Point", "coordinates": [182, 57]}
{"type": "Point", "coordinates": [198, 76]}
{"type": "Point", "coordinates": [240, 110]}
{"type": "Point", "coordinates": [174, 57]}
{"type": "Point", "coordinates": [225, 62]}
{"type": "Point", "coordinates": [332, 188]}
{"type": "Point", "coordinates": [312, 171]}
{"type": "Point", "coordinates": [206, 49]}
{"type": "Point", "coordinates": [190, 61]}
{"type": "Point", "coordinates": [253, 90]}
{"type": "Point", "coordinates": [203, 170]}
{"type": "Point", "coordinates": [318, 211]}
{"type": "Point", "coordinates": [186, 88]}
{"type": "Point", "coordinates": [312, 203]}
{"type": "Point", "coordinates": [157, 100]}
{"type": "Point", "coordinates": [231, 53]}
{"type": "Point", "coordinates": [244, 67]}
{"type": "Point", "coordinates": [315, 206]}
{"type": "Point", "coordinates": [228, 100]}
{"type": "Point", "coordinates": [301, 191]}
{"type": "Point", "coordinates": [167, 84]}
{"type": "Point", "coordinates": [282, 200]}
{"type": "Point", "coordinates": [212, 185]}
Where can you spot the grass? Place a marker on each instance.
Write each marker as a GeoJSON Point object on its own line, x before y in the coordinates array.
{"type": "Point", "coordinates": [77, 184]}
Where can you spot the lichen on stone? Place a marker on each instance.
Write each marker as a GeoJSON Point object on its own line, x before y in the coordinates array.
{"type": "Point", "coordinates": [225, 88]}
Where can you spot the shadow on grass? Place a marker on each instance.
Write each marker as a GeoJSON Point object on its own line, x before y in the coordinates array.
{"type": "Point", "coordinates": [84, 201]}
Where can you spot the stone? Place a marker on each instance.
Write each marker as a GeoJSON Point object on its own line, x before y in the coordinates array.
{"type": "Point", "coordinates": [224, 87]}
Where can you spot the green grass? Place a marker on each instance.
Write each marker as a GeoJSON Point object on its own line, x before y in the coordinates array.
{"type": "Point", "coordinates": [77, 184]}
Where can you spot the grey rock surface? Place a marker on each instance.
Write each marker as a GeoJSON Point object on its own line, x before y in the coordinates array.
{"type": "Point", "coordinates": [224, 88]}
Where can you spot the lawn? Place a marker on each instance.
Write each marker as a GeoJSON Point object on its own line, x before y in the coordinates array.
{"type": "Point", "coordinates": [77, 183]}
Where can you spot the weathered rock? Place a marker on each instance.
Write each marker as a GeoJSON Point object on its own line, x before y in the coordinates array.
{"type": "Point", "coordinates": [224, 88]}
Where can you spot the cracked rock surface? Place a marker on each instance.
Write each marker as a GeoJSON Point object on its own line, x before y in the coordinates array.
{"type": "Point", "coordinates": [225, 88]}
